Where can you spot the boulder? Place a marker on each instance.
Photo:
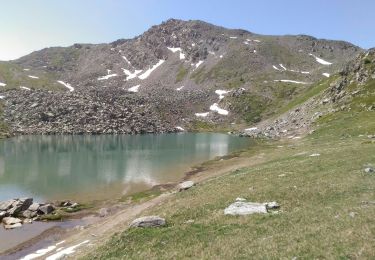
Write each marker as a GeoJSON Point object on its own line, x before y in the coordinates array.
{"type": "Point", "coordinates": [5, 205]}
{"type": "Point", "coordinates": [20, 205]}
{"type": "Point", "coordinates": [3, 214]}
{"type": "Point", "coordinates": [16, 225]}
{"type": "Point", "coordinates": [245, 208]}
{"type": "Point", "coordinates": [46, 209]}
{"type": "Point", "coordinates": [29, 214]}
{"type": "Point", "coordinates": [34, 207]}
{"type": "Point", "coordinates": [103, 212]}
{"type": "Point", "coordinates": [148, 221]}
{"type": "Point", "coordinates": [11, 221]}
{"type": "Point", "coordinates": [185, 185]}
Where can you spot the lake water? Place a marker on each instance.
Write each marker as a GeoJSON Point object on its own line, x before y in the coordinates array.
{"type": "Point", "coordinates": [100, 167]}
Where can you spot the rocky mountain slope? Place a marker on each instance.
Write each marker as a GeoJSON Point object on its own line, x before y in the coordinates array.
{"type": "Point", "coordinates": [177, 75]}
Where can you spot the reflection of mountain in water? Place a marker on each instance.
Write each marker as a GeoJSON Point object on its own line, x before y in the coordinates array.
{"type": "Point", "coordinates": [45, 165]}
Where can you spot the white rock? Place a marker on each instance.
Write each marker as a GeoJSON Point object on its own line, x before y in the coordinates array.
{"type": "Point", "coordinates": [245, 208]}
{"type": "Point", "coordinates": [148, 221]}
{"type": "Point", "coordinates": [11, 221]}
{"type": "Point", "coordinates": [185, 185]}
{"type": "Point", "coordinates": [16, 225]}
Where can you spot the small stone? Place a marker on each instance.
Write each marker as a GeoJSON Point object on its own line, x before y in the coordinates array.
{"type": "Point", "coordinates": [369, 170]}
{"type": "Point", "coordinates": [148, 221]}
{"type": "Point", "coordinates": [29, 214]}
{"type": "Point", "coordinates": [103, 212]}
{"type": "Point", "coordinates": [190, 221]}
{"type": "Point", "coordinates": [240, 199]}
{"type": "Point", "coordinates": [27, 221]}
{"type": "Point", "coordinates": [352, 214]}
{"type": "Point", "coordinates": [185, 185]}
{"type": "Point", "coordinates": [34, 207]}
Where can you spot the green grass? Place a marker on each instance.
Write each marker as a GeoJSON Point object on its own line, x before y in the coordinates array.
{"type": "Point", "coordinates": [142, 196]}
{"type": "Point", "coordinates": [250, 106]}
{"type": "Point", "coordinates": [327, 209]}
{"type": "Point", "coordinates": [181, 74]}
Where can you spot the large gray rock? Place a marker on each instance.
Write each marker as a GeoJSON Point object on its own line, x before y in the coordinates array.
{"type": "Point", "coordinates": [245, 208]}
{"type": "Point", "coordinates": [148, 221]}
{"type": "Point", "coordinates": [185, 185]}
{"type": "Point", "coordinates": [34, 207]}
{"type": "Point", "coordinates": [5, 205]}
{"type": "Point", "coordinates": [20, 205]}
{"type": "Point", "coordinates": [29, 214]}
{"type": "Point", "coordinates": [46, 209]}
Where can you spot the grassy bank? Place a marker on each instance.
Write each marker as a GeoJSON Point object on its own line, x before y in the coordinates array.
{"type": "Point", "coordinates": [327, 204]}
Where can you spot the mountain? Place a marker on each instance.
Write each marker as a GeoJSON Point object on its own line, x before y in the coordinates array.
{"type": "Point", "coordinates": [177, 75]}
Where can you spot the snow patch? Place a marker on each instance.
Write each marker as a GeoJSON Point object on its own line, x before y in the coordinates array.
{"type": "Point", "coordinates": [150, 70]}
{"type": "Point", "coordinates": [127, 61]}
{"type": "Point", "coordinates": [26, 69]}
{"type": "Point", "coordinates": [276, 68]}
{"type": "Point", "coordinates": [2, 97]}
{"type": "Point", "coordinates": [282, 66]}
{"type": "Point", "coordinates": [321, 61]}
{"type": "Point", "coordinates": [315, 155]}
{"type": "Point", "coordinates": [201, 114]}
{"type": "Point", "coordinates": [67, 85]}
{"type": "Point", "coordinates": [65, 252]}
{"type": "Point", "coordinates": [291, 81]}
{"type": "Point", "coordinates": [33, 77]}
{"type": "Point", "coordinates": [326, 75]}
{"type": "Point", "coordinates": [107, 77]}
{"type": "Point", "coordinates": [25, 88]}
{"type": "Point", "coordinates": [215, 107]}
{"type": "Point", "coordinates": [174, 49]}
{"type": "Point", "coordinates": [233, 37]}
{"type": "Point", "coordinates": [134, 89]}
{"type": "Point", "coordinates": [130, 75]}
{"type": "Point", "coordinates": [39, 253]}
{"type": "Point", "coordinates": [2, 84]}
{"type": "Point", "coordinates": [179, 128]}
{"type": "Point", "coordinates": [180, 88]}
{"type": "Point", "coordinates": [221, 56]}
{"type": "Point", "coordinates": [198, 64]}
{"type": "Point", "coordinates": [221, 93]}
{"type": "Point", "coordinates": [251, 129]}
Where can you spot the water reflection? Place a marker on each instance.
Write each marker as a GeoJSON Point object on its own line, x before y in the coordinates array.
{"type": "Point", "coordinates": [55, 166]}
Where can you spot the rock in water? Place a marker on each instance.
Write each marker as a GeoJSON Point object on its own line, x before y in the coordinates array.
{"type": "Point", "coordinates": [148, 221]}
{"type": "Point", "coordinates": [11, 221]}
{"type": "Point", "coordinates": [34, 207]}
{"type": "Point", "coordinates": [245, 208]}
{"type": "Point", "coordinates": [185, 185]}
{"type": "Point", "coordinates": [20, 205]}
{"type": "Point", "coordinates": [16, 225]}
{"type": "Point", "coordinates": [3, 214]}
{"type": "Point", "coordinates": [46, 209]}
{"type": "Point", "coordinates": [5, 205]}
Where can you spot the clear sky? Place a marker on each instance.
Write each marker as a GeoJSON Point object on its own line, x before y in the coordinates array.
{"type": "Point", "coordinates": [28, 25]}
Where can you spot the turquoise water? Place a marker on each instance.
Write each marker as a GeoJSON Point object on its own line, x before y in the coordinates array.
{"type": "Point", "coordinates": [100, 167]}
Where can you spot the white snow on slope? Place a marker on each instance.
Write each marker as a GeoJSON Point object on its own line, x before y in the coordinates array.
{"type": "Point", "coordinates": [326, 75]}
{"type": "Point", "coordinates": [130, 75]}
{"type": "Point", "coordinates": [134, 89]}
{"type": "Point", "coordinates": [33, 77]}
{"type": "Point", "coordinates": [26, 69]}
{"type": "Point", "coordinates": [2, 97]}
{"type": "Point", "coordinates": [215, 107]}
{"type": "Point", "coordinates": [276, 68]}
{"type": "Point", "coordinates": [172, 49]}
{"type": "Point", "coordinates": [25, 88]}
{"type": "Point", "coordinates": [107, 77]}
{"type": "Point", "coordinates": [282, 66]}
{"type": "Point", "coordinates": [150, 70]}
{"type": "Point", "coordinates": [221, 93]}
{"type": "Point", "coordinates": [126, 60]}
{"type": "Point", "coordinates": [201, 114]}
{"type": "Point", "coordinates": [65, 252]}
{"type": "Point", "coordinates": [251, 129]}
{"type": "Point", "coordinates": [233, 37]}
{"type": "Point", "coordinates": [39, 253]}
{"type": "Point", "coordinates": [291, 81]}
{"type": "Point", "coordinates": [180, 88]}
{"type": "Point", "coordinates": [179, 128]}
{"type": "Point", "coordinates": [198, 64]}
{"type": "Point", "coordinates": [221, 56]}
{"type": "Point", "coordinates": [2, 84]}
{"type": "Point", "coordinates": [182, 55]}
{"type": "Point", "coordinates": [321, 61]}
{"type": "Point", "coordinates": [67, 85]}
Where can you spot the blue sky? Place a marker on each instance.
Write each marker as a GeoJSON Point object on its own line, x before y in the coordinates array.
{"type": "Point", "coordinates": [28, 25]}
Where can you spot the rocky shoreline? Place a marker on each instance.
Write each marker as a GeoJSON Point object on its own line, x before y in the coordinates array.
{"type": "Point", "coordinates": [16, 212]}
